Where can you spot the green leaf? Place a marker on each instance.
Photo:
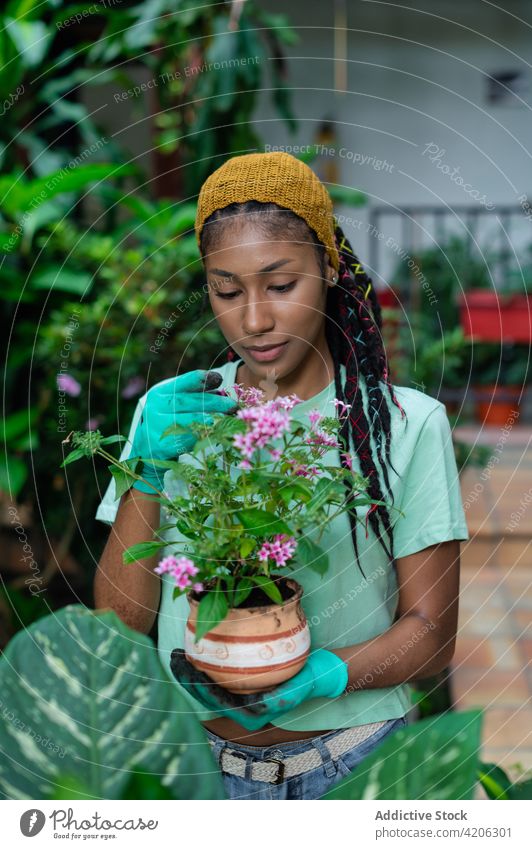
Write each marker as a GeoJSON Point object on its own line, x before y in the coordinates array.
{"type": "Point", "coordinates": [144, 785]}
{"type": "Point", "coordinates": [247, 544]}
{"type": "Point", "coordinates": [494, 781]}
{"type": "Point", "coordinates": [308, 553]}
{"type": "Point", "coordinates": [186, 530]}
{"type": "Point", "coordinates": [87, 690]}
{"type": "Point", "coordinates": [17, 424]}
{"type": "Point", "coordinates": [13, 474]}
{"type": "Point", "coordinates": [31, 38]}
{"type": "Point", "coordinates": [76, 454]}
{"type": "Point", "coordinates": [324, 491]}
{"type": "Point", "coordinates": [261, 522]}
{"type": "Point", "coordinates": [59, 278]}
{"type": "Point", "coordinates": [110, 439]}
{"type": "Point", "coordinates": [297, 489]}
{"type": "Point", "coordinates": [435, 758]}
{"type": "Point", "coordinates": [267, 585]}
{"type": "Point", "coordinates": [521, 790]}
{"type": "Point", "coordinates": [498, 785]}
{"type": "Point", "coordinates": [212, 609]}
{"type": "Point", "coordinates": [123, 480]}
{"type": "Point", "coordinates": [244, 587]}
{"type": "Point", "coordinates": [141, 550]}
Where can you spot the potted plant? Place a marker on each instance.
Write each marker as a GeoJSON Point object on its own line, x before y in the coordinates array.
{"type": "Point", "coordinates": [250, 509]}
{"type": "Point", "coordinates": [501, 375]}
{"type": "Point", "coordinates": [503, 314]}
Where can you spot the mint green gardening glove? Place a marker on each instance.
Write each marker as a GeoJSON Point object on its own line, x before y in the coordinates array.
{"type": "Point", "coordinates": [324, 675]}
{"type": "Point", "coordinates": [180, 400]}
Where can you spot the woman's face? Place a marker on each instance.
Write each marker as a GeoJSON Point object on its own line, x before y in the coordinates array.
{"type": "Point", "coordinates": [265, 292]}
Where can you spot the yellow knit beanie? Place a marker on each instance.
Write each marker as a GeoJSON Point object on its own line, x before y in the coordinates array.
{"type": "Point", "coordinates": [276, 177]}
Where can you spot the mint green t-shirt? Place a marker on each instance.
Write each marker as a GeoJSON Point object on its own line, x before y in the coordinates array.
{"type": "Point", "coordinates": [342, 607]}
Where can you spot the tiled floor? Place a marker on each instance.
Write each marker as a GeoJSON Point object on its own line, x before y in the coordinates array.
{"type": "Point", "coordinates": [492, 666]}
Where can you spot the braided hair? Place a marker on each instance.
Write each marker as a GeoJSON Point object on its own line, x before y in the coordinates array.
{"type": "Point", "coordinates": [353, 325]}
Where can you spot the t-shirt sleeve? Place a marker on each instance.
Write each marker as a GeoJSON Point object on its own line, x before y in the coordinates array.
{"type": "Point", "coordinates": [431, 496]}
{"type": "Point", "coordinates": [108, 506]}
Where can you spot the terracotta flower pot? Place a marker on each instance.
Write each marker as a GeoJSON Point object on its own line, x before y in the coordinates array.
{"type": "Point", "coordinates": [496, 403]}
{"type": "Point", "coordinates": [253, 648]}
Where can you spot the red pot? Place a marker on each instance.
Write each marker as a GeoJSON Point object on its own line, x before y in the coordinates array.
{"type": "Point", "coordinates": [490, 317]}
{"type": "Point", "coordinates": [498, 403]}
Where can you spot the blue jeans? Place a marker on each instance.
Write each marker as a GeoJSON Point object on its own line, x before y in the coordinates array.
{"type": "Point", "coordinates": [309, 785]}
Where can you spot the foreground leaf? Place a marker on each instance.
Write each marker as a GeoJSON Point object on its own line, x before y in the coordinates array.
{"type": "Point", "coordinates": [435, 758]}
{"type": "Point", "coordinates": [92, 701]}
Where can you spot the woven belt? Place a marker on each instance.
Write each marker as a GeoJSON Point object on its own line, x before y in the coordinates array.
{"type": "Point", "coordinates": [275, 770]}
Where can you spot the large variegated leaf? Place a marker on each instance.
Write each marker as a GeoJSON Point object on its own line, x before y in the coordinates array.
{"type": "Point", "coordinates": [435, 758]}
{"type": "Point", "coordinates": [85, 696]}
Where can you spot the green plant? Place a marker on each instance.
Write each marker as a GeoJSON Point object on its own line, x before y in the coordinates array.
{"type": "Point", "coordinates": [435, 758]}
{"type": "Point", "coordinates": [247, 504]}
{"type": "Point", "coordinates": [207, 64]}
{"type": "Point", "coordinates": [498, 785]}
{"type": "Point", "coordinates": [450, 267]}
{"type": "Point", "coordinates": [88, 710]}
{"type": "Point", "coordinates": [506, 364]}
{"type": "Point", "coordinates": [430, 362]}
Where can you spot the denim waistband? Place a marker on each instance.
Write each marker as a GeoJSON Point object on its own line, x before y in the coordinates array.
{"type": "Point", "coordinates": [286, 749]}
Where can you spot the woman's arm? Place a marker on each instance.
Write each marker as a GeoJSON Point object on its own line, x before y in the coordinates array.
{"type": "Point", "coordinates": [133, 591]}
{"type": "Point", "coordinates": [422, 640]}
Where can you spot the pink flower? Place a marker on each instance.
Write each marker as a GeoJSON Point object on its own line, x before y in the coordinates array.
{"type": "Point", "coordinates": [348, 460]}
{"type": "Point", "coordinates": [302, 470]}
{"type": "Point", "coordinates": [166, 565]}
{"type": "Point", "coordinates": [344, 407]}
{"type": "Point", "coordinates": [249, 396]}
{"type": "Point", "coordinates": [180, 568]}
{"type": "Point", "coordinates": [288, 402]}
{"type": "Point", "coordinates": [265, 422]}
{"type": "Point", "coordinates": [92, 424]}
{"type": "Point", "coordinates": [315, 416]}
{"type": "Point", "coordinates": [68, 384]}
{"type": "Point", "coordinates": [182, 581]}
{"type": "Point", "coordinates": [319, 437]}
{"type": "Point", "coordinates": [198, 587]}
{"type": "Point", "coordinates": [279, 549]}
{"type": "Point", "coordinates": [133, 387]}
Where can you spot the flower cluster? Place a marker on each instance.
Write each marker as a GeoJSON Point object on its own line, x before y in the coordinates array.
{"type": "Point", "coordinates": [317, 436]}
{"type": "Point", "coordinates": [265, 422]}
{"type": "Point", "coordinates": [302, 470]}
{"type": "Point", "coordinates": [280, 549]}
{"type": "Point", "coordinates": [182, 569]}
{"type": "Point", "coordinates": [248, 396]}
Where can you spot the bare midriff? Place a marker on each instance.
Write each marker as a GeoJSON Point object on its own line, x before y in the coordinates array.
{"type": "Point", "coordinates": [268, 735]}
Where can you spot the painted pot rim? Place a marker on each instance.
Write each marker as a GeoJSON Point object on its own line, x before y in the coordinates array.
{"type": "Point", "coordinates": [297, 595]}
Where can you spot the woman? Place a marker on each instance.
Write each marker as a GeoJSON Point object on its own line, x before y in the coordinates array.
{"type": "Point", "coordinates": [280, 273]}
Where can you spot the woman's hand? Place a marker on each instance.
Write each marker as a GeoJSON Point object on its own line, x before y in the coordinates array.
{"type": "Point", "coordinates": [324, 675]}
{"type": "Point", "coordinates": [179, 400]}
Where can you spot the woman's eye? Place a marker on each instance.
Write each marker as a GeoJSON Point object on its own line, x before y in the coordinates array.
{"type": "Point", "coordinates": [285, 287]}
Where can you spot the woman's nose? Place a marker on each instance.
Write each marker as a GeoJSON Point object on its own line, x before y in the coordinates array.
{"type": "Point", "coordinates": [257, 317]}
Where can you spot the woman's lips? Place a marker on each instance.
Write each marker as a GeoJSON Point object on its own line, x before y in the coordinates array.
{"type": "Point", "coordinates": [270, 354]}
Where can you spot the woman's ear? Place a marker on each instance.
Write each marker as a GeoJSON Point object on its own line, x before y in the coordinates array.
{"type": "Point", "coordinates": [332, 277]}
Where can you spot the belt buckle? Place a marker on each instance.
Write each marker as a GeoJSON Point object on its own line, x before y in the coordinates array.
{"type": "Point", "coordinates": [280, 775]}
